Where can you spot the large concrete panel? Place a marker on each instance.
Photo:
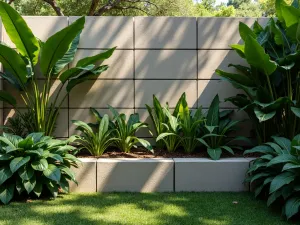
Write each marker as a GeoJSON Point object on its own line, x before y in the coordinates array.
{"type": "Point", "coordinates": [42, 26]}
{"type": "Point", "coordinates": [210, 60]}
{"type": "Point", "coordinates": [207, 90]}
{"type": "Point", "coordinates": [85, 176]}
{"type": "Point", "coordinates": [166, 64]}
{"type": "Point", "coordinates": [219, 33]}
{"type": "Point", "coordinates": [135, 175]}
{"type": "Point", "coordinates": [228, 175]}
{"type": "Point", "coordinates": [106, 32]}
{"type": "Point", "coordinates": [165, 32]}
{"type": "Point", "coordinates": [166, 91]}
{"type": "Point", "coordinates": [120, 63]}
{"type": "Point", "coordinates": [99, 93]}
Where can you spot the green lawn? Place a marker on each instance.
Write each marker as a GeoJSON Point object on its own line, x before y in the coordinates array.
{"type": "Point", "coordinates": [137, 209]}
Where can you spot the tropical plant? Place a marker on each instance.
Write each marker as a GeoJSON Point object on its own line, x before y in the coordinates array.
{"type": "Point", "coordinates": [161, 117]}
{"type": "Point", "coordinates": [216, 129]}
{"type": "Point", "coordinates": [20, 125]}
{"type": "Point", "coordinates": [271, 82]}
{"type": "Point", "coordinates": [36, 164]}
{"type": "Point", "coordinates": [182, 128]}
{"type": "Point", "coordinates": [51, 58]}
{"type": "Point", "coordinates": [125, 131]}
{"type": "Point", "coordinates": [96, 141]}
{"type": "Point", "coordinates": [276, 173]}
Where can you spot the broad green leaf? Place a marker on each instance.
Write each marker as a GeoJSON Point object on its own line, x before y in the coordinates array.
{"type": "Point", "coordinates": [282, 159]}
{"type": "Point", "coordinates": [96, 58]}
{"type": "Point", "coordinates": [240, 49]}
{"type": "Point", "coordinates": [215, 154]}
{"type": "Point", "coordinates": [296, 111]}
{"type": "Point", "coordinates": [258, 176]}
{"type": "Point", "coordinates": [257, 28]}
{"type": "Point", "coordinates": [29, 184]}
{"type": "Point", "coordinates": [292, 207]}
{"type": "Point", "coordinates": [260, 149]}
{"type": "Point", "coordinates": [19, 33]}
{"type": "Point", "coordinates": [295, 145]}
{"type": "Point", "coordinates": [53, 188]}
{"type": "Point", "coordinates": [272, 198]}
{"type": "Point", "coordinates": [69, 172]}
{"type": "Point", "coordinates": [64, 184]}
{"type": "Point", "coordinates": [40, 165]}
{"type": "Point", "coordinates": [256, 56]}
{"type": "Point", "coordinates": [283, 143]}
{"type": "Point", "coordinates": [38, 189]}
{"type": "Point", "coordinates": [245, 31]}
{"type": "Point", "coordinates": [36, 137]}
{"type": "Point", "coordinates": [279, 4]}
{"type": "Point", "coordinates": [146, 144]}
{"type": "Point", "coordinates": [82, 124]}
{"type": "Point", "coordinates": [276, 147]}
{"type": "Point", "coordinates": [5, 173]}
{"type": "Point", "coordinates": [290, 15]}
{"type": "Point", "coordinates": [228, 149]}
{"type": "Point", "coordinates": [212, 118]}
{"type": "Point", "coordinates": [55, 157]}
{"type": "Point", "coordinates": [261, 116]}
{"type": "Point", "coordinates": [289, 166]}
{"type": "Point", "coordinates": [278, 36]}
{"type": "Point", "coordinates": [281, 180]}
{"type": "Point", "coordinates": [68, 57]}
{"type": "Point", "coordinates": [52, 172]}
{"type": "Point", "coordinates": [26, 172]}
{"type": "Point", "coordinates": [57, 45]}
{"type": "Point", "coordinates": [16, 163]}
{"type": "Point", "coordinates": [163, 135]}
{"type": "Point", "coordinates": [6, 193]}
{"type": "Point", "coordinates": [13, 62]}
{"type": "Point", "coordinates": [74, 72]}
{"type": "Point", "coordinates": [5, 157]}
{"type": "Point", "coordinates": [180, 101]}
{"type": "Point", "coordinates": [239, 78]}
{"type": "Point", "coordinates": [8, 98]}
{"type": "Point", "coordinates": [26, 143]}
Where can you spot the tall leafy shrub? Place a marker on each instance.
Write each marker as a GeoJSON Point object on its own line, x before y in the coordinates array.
{"type": "Point", "coordinates": [51, 58]}
{"type": "Point", "coordinates": [271, 81]}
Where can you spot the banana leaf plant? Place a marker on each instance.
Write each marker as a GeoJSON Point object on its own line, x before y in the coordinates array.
{"type": "Point", "coordinates": [216, 130]}
{"type": "Point", "coordinates": [271, 81]}
{"type": "Point", "coordinates": [51, 58]}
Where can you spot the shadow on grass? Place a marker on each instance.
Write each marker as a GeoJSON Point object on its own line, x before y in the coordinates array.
{"type": "Point", "coordinates": [127, 208]}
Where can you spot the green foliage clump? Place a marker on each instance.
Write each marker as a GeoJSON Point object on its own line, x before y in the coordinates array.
{"type": "Point", "coordinates": [35, 165]}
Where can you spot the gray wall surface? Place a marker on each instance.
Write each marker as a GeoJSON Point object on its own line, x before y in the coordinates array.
{"type": "Point", "coordinates": [165, 56]}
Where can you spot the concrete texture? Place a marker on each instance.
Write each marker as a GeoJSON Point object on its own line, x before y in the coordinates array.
{"type": "Point", "coordinates": [135, 175]}
{"type": "Point", "coordinates": [228, 175]}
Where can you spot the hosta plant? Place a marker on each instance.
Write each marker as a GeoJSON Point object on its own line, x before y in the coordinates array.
{"type": "Point", "coordinates": [216, 129]}
{"type": "Point", "coordinates": [125, 131]}
{"type": "Point", "coordinates": [34, 165]}
{"type": "Point", "coordinates": [276, 173]}
{"type": "Point", "coordinates": [271, 81]}
{"type": "Point", "coordinates": [95, 139]}
{"type": "Point", "coordinates": [50, 59]}
{"type": "Point", "coordinates": [161, 117]}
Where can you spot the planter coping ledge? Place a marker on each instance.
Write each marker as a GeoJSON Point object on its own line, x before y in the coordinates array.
{"type": "Point", "coordinates": [136, 160]}
{"type": "Point", "coordinates": [184, 160]}
{"type": "Point", "coordinates": [87, 160]}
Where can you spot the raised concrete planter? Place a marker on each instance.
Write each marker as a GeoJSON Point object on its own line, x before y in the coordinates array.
{"type": "Point", "coordinates": [198, 175]}
{"type": "Point", "coordinates": [86, 176]}
{"type": "Point", "coordinates": [135, 175]}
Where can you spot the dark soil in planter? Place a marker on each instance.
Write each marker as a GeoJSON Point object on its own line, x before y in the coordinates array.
{"type": "Point", "coordinates": [161, 153]}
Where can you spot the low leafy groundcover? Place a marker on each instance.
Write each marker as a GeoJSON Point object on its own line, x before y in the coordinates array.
{"type": "Point", "coordinates": [128, 208]}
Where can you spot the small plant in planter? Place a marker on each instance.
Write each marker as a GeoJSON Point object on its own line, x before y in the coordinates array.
{"type": "Point", "coordinates": [33, 164]}
{"type": "Point", "coordinates": [276, 173]}
{"type": "Point", "coordinates": [95, 140]}
{"type": "Point", "coordinates": [216, 129]}
{"type": "Point", "coordinates": [51, 58]}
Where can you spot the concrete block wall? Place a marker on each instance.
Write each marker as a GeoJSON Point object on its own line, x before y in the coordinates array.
{"type": "Point", "coordinates": [165, 56]}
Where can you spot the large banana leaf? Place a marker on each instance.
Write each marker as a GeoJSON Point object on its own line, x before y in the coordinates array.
{"type": "Point", "coordinates": [19, 33]}
{"type": "Point", "coordinates": [256, 56]}
{"type": "Point", "coordinates": [68, 57]}
{"type": "Point", "coordinates": [290, 15]}
{"type": "Point", "coordinates": [13, 62]}
{"type": "Point", "coordinates": [96, 58]}
{"type": "Point", "coordinates": [57, 45]}
{"type": "Point", "coordinates": [8, 98]}
{"type": "Point", "coordinates": [212, 118]}
{"type": "Point", "coordinates": [245, 31]}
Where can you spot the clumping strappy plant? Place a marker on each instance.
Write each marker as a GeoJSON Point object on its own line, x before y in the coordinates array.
{"type": "Point", "coordinates": [216, 129]}
{"type": "Point", "coordinates": [276, 173]}
{"type": "Point", "coordinates": [33, 58]}
{"type": "Point", "coordinates": [95, 139]}
{"type": "Point", "coordinates": [36, 164]}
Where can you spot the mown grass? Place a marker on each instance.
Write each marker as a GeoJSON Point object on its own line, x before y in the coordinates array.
{"type": "Point", "coordinates": [137, 209]}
